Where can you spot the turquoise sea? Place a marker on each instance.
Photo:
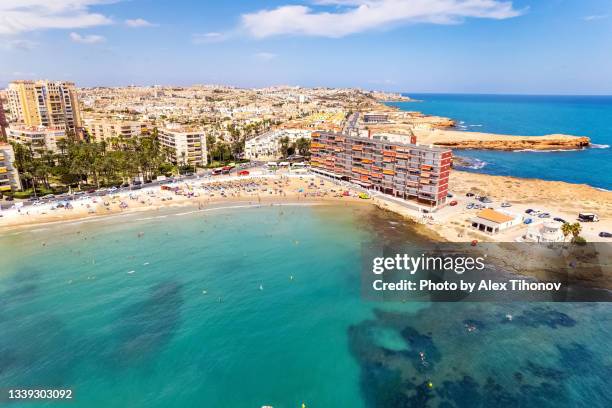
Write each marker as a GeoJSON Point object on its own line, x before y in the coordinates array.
{"type": "Point", "coordinates": [247, 307]}
{"type": "Point", "coordinates": [531, 115]}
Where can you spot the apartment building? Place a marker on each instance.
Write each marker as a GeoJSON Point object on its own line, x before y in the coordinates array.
{"type": "Point", "coordinates": [45, 103]}
{"type": "Point", "coordinates": [39, 137]}
{"type": "Point", "coordinates": [3, 122]}
{"type": "Point", "coordinates": [9, 177]}
{"type": "Point", "coordinates": [267, 145]}
{"type": "Point", "coordinates": [186, 145]}
{"type": "Point", "coordinates": [107, 129]}
{"type": "Point", "coordinates": [406, 170]}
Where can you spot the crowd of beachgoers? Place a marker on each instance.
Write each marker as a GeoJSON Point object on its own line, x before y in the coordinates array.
{"type": "Point", "coordinates": [261, 186]}
{"type": "Point", "coordinates": [257, 188]}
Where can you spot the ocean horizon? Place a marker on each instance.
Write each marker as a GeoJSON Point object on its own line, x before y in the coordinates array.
{"type": "Point", "coordinates": [530, 115]}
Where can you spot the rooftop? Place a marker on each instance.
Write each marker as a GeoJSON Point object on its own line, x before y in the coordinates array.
{"type": "Point", "coordinates": [494, 216]}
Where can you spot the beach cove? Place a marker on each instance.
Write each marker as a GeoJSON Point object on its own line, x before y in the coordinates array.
{"type": "Point", "coordinates": [258, 300]}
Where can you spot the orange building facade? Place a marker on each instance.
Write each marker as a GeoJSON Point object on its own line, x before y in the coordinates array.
{"type": "Point", "coordinates": [408, 171]}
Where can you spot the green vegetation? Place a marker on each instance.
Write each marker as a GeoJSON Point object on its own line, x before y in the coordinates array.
{"type": "Point", "coordinates": [573, 229]}
{"type": "Point", "coordinates": [300, 146]}
{"type": "Point", "coordinates": [80, 163]}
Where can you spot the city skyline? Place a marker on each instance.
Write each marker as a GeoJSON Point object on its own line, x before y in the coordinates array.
{"type": "Point", "coordinates": [457, 46]}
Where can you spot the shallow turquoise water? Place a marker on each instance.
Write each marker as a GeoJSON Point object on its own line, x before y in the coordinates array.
{"type": "Point", "coordinates": [282, 321]}
{"type": "Point", "coordinates": [532, 115]}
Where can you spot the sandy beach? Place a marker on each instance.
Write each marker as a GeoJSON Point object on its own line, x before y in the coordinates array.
{"type": "Point", "coordinates": [260, 188]}
{"type": "Point", "coordinates": [449, 223]}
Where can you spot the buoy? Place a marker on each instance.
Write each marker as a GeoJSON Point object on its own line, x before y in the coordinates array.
{"type": "Point", "coordinates": [429, 384]}
{"type": "Point", "coordinates": [260, 287]}
{"type": "Point", "coordinates": [204, 292]}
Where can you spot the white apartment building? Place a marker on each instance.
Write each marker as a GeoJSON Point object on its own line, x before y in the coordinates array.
{"type": "Point", "coordinates": [105, 129]}
{"type": "Point", "coordinates": [9, 177]}
{"type": "Point", "coordinates": [39, 137]}
{"type": "Point", "coordinates": [267, 145]}
{"type": "Point", "coordinates": [186, 145]}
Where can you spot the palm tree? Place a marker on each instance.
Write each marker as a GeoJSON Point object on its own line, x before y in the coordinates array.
{"type": "Point", "coordinates": [566, 229]}
{"type": "Point", "coordinates": [576, 228]}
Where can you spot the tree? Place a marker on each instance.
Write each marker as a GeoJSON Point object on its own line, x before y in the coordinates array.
{"type": "Point", "coordinates": [303, 146]}
{"type": "Point", "coordinates": [566, 229]}
{"type": "Point", "coordinates": [284, 146]}
{"type": "Point", "coordinates": [576, 228]}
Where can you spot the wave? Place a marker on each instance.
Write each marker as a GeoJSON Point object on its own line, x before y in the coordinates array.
{"type": "Point", "coordinates": [599, 146]}
{"type": "Point", "coordinates": [548, 151]}
{"type": "Point", "coordinates": [472, 163]}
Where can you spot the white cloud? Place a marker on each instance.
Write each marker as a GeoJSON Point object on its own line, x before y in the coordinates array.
{"type": "Point", "coordinates": [24, 45]}
{"type": "Point", "coordinates": [353, 16]}
{"type": "Point", "coordinates": [138, 23]}
{"type": "Point", "coordinates": [266, 56]}
{"type": "Point", "coordinates": [596, 17]}
{"type": "Point", "coordinates": [19, 16]}
{"type": "Point", "coordinates": [206, 38]}
{"type": "Point", "coordinates": [87, 39]}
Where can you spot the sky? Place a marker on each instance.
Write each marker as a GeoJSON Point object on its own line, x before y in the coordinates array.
{"type": "Point", "coordinates": [444, 46]}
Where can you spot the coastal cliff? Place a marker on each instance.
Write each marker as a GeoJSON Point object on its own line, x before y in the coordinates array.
{"type": "Point", "coordinates": [489, 141]}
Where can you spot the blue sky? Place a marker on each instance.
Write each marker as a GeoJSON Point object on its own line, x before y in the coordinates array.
{"type": "Point", "coordinates": [471, 46]}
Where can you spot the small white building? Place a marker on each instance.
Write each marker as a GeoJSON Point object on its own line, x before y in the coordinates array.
{"type": "Point", "coordinates": [493, 221]}
{"type": "Point", "coordinates": [549, 231]}
{"type": "Point", "coordinates": [267, 145]}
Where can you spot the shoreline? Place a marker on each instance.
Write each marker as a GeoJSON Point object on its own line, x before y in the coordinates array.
{"type": "Point", "coordinates": [444, 226]}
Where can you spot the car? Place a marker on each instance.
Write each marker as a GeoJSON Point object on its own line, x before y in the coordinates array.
{"type": "Point", "coordinates": [587, 217]}
{"type": "Point", "coordinates": [505, 204]}
{"type": "Point", "coordinates": [561, 220]}
{"type": "Point", "coordinates": [112, 189]}
{"type": "Point", "coordinates": [469, 206]}
{"type": "Point", "coordinates": [604, 234]}
{"type": "Point", "coordinates": [48, 197]}
{"type": "Point", "coordinates": [449, 195]}
{"type": "Point", "coordinates": [453, 203]}
{"type": "Point", "coordinates": [9, 198]}
{"type": "Point", "coordinates": [529, 211]}
{"type": "Point", "coordinates": [485, 200]}
{"type": "Point", "coordinates": [528, 221]}
{"type": "Point", "coordinates": [469, 194]}
{"type": "Point", "coordinates": [544, 215]}
{"type": "Point", "coordinates": [91, 191]}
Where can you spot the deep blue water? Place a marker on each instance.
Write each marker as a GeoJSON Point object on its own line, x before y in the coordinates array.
{"type": "Point", "coordinates": [531, 115]}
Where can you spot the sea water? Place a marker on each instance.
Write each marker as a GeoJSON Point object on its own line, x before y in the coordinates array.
{"type": "Point", "coordinates": [530, 115]}
{"type": "Point", "coordinates": [261, 306]}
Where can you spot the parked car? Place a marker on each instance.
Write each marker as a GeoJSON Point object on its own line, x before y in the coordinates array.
{"type": "Point", "coordinates": [453, 203]}
{"type": "Point", "coordinates": [485, 200]}
{"type": "Point", "coordinates": [529, 211]}
{"type": "Point", "coordinates": [587, 217]}
{"type": "Point", "coordinates": [469, 206]}
{"type": "Point", "coordinates": [544, 215]}
{"type": "Point", "coordinates": [604, 234]}
{"type": "Point", "coordinates": [561, 220]}
{"type": "Point", "coordinates": [528, 221]}
{"type": "Point", "coordinates": [505, 204]}
{"type": "Point", "coordinates": [469, 194]}
{"type": "Point", "coordinates": [449, 195]}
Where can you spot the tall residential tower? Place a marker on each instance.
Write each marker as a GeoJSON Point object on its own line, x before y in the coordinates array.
{"type": "Point", "coordinates": [45, 103]}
